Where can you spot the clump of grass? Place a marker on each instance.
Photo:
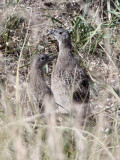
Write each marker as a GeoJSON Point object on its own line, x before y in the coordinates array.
{"type": "Point", "coordinates": [13, 34]}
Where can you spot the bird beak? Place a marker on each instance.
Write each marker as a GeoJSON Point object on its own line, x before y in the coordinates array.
{"type": "Point", "coordinates": [52, 32]}
{"type": "Point", "coordinates": [50, 58]}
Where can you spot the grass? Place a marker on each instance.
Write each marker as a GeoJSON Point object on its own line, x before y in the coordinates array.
{"type": "Point", "coordinates": [22, 36]}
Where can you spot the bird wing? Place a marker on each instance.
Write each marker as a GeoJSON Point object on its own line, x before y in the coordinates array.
{"type": "Point", "coordinates": [77, 81]}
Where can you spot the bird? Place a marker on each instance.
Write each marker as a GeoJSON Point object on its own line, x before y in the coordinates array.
{"type": "Point", "coordinates": [69, 81]}
{"type": "Point", "coordinates": [40, 93]}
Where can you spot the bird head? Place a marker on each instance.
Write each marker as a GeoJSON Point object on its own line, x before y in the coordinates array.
{"type": "Point", "coordinates": [61, 35]}
{"type": "Point", "coordinates": [40, 60]}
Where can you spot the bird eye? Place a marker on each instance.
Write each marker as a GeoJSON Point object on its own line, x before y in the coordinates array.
{"type": "Point", "coordinates": [43, 58]}
{"type": "Point", "coordinates": [60, 32]}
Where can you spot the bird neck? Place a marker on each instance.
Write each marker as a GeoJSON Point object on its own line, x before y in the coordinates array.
{"type": "Point", "coordinates": [37, 74]}
{"type": "Point", "coordinates": [65, 51]}
{"type": "Point", "coordinates": [65, 45]}
{"type": "Point", "coordinates": [40, 73]}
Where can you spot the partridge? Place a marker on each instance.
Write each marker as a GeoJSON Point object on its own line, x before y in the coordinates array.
{"type": "Point", "coordinates": [69, 81]}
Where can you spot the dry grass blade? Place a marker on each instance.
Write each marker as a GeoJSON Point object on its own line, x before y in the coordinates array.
{"type": "Point", "coordinates": [111, 90]}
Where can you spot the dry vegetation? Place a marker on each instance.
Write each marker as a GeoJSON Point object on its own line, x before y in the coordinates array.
{"type": "Point", "coordinates": [95, 31]}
